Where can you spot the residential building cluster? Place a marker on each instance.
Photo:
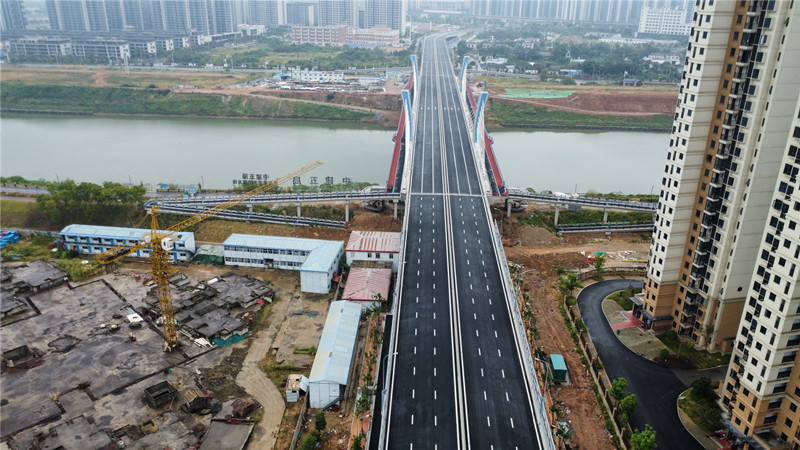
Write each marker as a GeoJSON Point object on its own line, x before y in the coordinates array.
{"type": "Point", "coordinates": [338, 35]}
{"type": "Point", "coordinates": [724, 262]}
{"type": "Point", "coordinates": [106, 28]}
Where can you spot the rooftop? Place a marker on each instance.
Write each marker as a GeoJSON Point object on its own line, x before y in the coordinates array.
{"type": "Point", "coordinates": [365, 284]}
{"type": "Point", "coordinates": [336, 346]}
{"type": "Point", "coordinates": [319, 259]}
{"type": "Point", "coordinates": [117, 232]}
{"type": "Point", "coordinates": [374, 241]}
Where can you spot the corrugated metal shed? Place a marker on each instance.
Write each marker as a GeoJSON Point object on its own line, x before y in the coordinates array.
{"type": "Point", "coordinates": [364, 284]}
{"type": "Point", "coordinates": [322, 258]}
{"type": "Point", "coordinates": [117, 232]}
{"type": "Point", "coordinates": [336, 346]}
{"type": "Point", "coordinates": [279, 242]}
{"type": "Point", "coordinates": [374, 241]}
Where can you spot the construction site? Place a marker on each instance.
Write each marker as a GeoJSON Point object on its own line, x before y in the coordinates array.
{"type": "Point", "coordinates": [84, 366]}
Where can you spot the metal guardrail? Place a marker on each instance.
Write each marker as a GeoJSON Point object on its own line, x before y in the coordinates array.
{"type": "Point", "coordinates": [253, 216]}
{"type": "Point", "coordinates": [606, 226]}
{"type": "Point", "coordinates": [586, 201]}
{"type": "Point", "coordinates": [540, 402]}
{"type": "Point", "coordinates": [282, 198]}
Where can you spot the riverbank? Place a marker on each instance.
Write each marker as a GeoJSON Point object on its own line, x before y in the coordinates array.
{"type": "Point", "coordinates": [20, 98]}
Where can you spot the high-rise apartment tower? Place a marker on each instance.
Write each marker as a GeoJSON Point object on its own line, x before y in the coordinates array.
{"type": "Point", "coordinates": [725, 256]}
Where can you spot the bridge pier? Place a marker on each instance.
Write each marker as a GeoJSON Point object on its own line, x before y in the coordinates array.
{"type": "Point", "coordinates": [395, 208]}
{"type": "Point", "coordinates": [508, 208]}
{"type": "Point", "coordinates": [250, 207]}
{"type": "Point", "coordinates": [555, 219]}
{"type": "Point", "coordinates": [298, 210]}
{"type": "Point", "coordinates": [605, 215]}
{"type": "Point", "coordinates": [347, 210]}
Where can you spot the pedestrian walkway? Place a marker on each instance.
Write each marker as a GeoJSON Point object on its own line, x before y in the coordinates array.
{"type": "Point", "coordinates": [633, 322]}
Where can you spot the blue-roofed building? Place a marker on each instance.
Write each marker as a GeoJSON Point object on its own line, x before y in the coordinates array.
{"type": "Point", "coordinates": [94, 239]}
{"type": "Point", "coordinates": [331, 369]}
{"type": "Point", "coordinates": [316, 259]}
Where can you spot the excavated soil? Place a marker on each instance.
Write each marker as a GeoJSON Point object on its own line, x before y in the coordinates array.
{"type": "Point", "coordinates": [541, 253]}
{"type": "Point", "coordinates": [633, 101]}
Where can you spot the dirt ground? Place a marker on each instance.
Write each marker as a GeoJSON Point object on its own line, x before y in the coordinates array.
{"type": "Point", "coordinates": [216, 230]}
{"type": "Point", "coordinates": [541, 253]}
{"type": "Point", "coordinates": [625, 101]}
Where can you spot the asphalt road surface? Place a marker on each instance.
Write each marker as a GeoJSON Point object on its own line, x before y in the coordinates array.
{"type": "Point", "coordinates": [657, 387]}
{"type": "Point", "coordinates": [457, 379]}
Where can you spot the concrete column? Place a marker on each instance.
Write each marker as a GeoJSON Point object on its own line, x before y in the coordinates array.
{"type": "Point", "coordinates": [298, 210]}
{"type": "Point", "coordinates": [395, 208]}
{"type": "Point", "coordinates": [605, 215]}
{"type": "Point", "coordinates": [555, 219]}
{"type": "Point", "coordinates": [508, 208]}
{"type": "Point", "coordinates": [250, 207]}
{"type": "Point", "coordinates": [347, 210]}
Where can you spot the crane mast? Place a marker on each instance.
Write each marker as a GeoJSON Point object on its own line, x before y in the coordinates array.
{"type": "Point", "coordinates": [161, 243]}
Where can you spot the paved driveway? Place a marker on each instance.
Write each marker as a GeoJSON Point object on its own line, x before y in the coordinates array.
{"type": "Point", "coordinates": [656, 386]}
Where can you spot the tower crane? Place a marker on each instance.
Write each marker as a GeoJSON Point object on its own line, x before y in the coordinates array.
{"type": "Point", "coordinates": [161, 243]}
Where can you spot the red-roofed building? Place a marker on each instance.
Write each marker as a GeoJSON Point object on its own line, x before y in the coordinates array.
{"type": "Point", "coordinates": [374, 246]}
{"type": "Point", "coordinates": [364, 285]}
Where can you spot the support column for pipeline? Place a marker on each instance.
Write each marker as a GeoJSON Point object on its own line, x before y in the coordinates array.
{"type": "Point", "coordinates": [395, 208]}
{"type": "Point", "coordinates": [298, 210]}
{"type": "Point", "coordinates": [605, 215]}
{"type": "Point", "coordinates": [555, 218]}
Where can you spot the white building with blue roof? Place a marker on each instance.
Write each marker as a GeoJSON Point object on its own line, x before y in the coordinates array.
{"type": "Point", "coordinates": [316, 259]}
{"type": "Point", "coordinates": [95, 239]}
{"type": "Point", "coordinates": [331, 369]}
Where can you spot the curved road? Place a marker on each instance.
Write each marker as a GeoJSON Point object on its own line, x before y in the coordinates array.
{"type": "Point", "coordinates": [657, 387]}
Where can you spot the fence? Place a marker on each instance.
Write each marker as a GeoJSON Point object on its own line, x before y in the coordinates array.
{"type": "Point", "coordinates": [601, 381]}
{"type": "Point", "coordinates": [301, 418]}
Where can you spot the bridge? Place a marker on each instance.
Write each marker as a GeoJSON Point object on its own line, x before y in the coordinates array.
{"type": "Point", "coordinates": [458, 370]}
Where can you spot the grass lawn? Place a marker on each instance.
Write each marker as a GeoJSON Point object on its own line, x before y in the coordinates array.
{"type": "Point", "coordinates": [701, 359]}
{"type": "Point", "coordinates": [702, 412]}
{"type": "Point", "coordinates": [623, 298]}
{"type": "Point", "coordinates": [14, 213]}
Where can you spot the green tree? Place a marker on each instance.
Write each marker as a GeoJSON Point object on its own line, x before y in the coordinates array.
{"type": "Point", "coordinates": [663, 353]}
{"type": "Point", "coordinates": [599, 263]}
{"type": "Point", "coordinates": [362, 404]}
{"type": "Point", "coordinates": [567, 284]}
{"type": "Point", "coordinates": [644, 440]}
{"type": "Point", "coordinates": [319, 421]}
{"type": "Point", "coordinates": [628, 406]}
{"type": "Point", "coordinates": [356, 445]}
{"type": "Point", "coordinates": [310, 443]}
{"type": "Point", "coordinates": [619, 388]}
{"type": "Point", "coordinates": [702, 389]}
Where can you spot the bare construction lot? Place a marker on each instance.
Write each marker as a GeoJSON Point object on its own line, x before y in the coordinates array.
{"type": "Point", "coordinates": [74, 381]}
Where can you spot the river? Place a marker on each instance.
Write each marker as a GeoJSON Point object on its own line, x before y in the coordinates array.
{"type": "Point", "coordinates": [215, 152]}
